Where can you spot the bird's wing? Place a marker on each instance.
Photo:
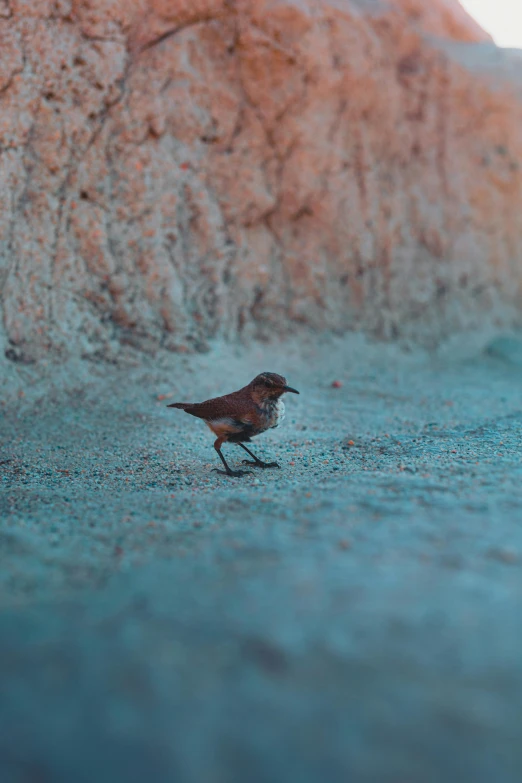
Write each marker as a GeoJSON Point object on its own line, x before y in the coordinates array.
{"type": "Point", "coordinates": [232, 406]}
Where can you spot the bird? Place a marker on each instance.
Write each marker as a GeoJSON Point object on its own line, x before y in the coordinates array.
{"type": "Point", "coordinates": [241, 415]}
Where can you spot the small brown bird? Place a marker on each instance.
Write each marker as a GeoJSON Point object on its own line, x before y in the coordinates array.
{"type": "Point", "coordinates": [242, 415]}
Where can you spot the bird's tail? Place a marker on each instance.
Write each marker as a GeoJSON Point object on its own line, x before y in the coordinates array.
{"type": "Point", "coordinates": [183, 406]}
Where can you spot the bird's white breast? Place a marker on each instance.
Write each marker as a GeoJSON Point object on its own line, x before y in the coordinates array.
{"type": "Point", "coordinates": [276, 413]}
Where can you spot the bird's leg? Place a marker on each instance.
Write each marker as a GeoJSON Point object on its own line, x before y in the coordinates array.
{"type": "Point", "coordinates": [227, 471]}
{"type": "Point", "coordinates": [257, 463]}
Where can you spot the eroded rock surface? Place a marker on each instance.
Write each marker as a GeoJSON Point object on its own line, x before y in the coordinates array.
{"type": "Point", "coordinates": [177, 170]}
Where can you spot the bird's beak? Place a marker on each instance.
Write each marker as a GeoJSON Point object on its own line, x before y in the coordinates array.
{"type": "Point", "coordinates": [289, 389]}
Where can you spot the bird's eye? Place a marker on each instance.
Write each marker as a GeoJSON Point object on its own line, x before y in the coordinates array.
{"type": "Point", "coordinates": [268, 382]}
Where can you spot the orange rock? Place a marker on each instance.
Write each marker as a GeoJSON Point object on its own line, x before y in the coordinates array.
{"type": "Point", "coordinates": [257, 163]}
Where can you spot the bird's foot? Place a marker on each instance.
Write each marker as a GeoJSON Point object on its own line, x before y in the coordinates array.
{"type": "Point", "coordinates": [233, 473]}
{"type": "Point", "coordinates": [260, 464]}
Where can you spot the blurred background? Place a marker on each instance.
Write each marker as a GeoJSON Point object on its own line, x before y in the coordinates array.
{"type": "Point", "coordinates": [503, 20]}
{"type": "Point", "coordinates": [177, 173]}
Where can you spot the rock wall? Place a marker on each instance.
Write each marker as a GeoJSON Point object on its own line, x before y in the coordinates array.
{"type": "Point", "coordinates": [175, 170]}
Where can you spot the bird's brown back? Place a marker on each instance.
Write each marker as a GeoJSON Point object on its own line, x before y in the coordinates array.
{"type": "Point", "coordinates": [234, 405]}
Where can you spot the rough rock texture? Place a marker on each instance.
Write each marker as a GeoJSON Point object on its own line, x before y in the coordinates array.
{"type": "Point", "coordinates": [174, 170]}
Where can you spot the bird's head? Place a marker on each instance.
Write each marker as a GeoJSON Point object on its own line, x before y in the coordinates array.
{"type": "Point", "coordinates": [270, 385]}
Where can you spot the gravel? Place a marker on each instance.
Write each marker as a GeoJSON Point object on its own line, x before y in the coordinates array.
{"type": "Point", "coordinates": [352, 616]}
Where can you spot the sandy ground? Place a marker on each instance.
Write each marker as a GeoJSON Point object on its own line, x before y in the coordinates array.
{"type": "Point", "coordinates": [354, 616]}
